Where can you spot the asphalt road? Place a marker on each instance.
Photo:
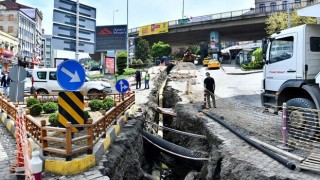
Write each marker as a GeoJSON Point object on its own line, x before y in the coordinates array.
{"type": "Point", "coordinates": [243, 89]}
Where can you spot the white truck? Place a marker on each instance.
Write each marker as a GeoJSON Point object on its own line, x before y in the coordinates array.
{"type": "Point", "coordinates": [293, 75]}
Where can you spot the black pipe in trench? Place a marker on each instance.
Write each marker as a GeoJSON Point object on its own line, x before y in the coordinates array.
{"type": "Point", "coordinates": [272, 155]}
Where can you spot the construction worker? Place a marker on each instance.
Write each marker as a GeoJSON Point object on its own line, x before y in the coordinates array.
{"type": "Point", "coordinates": [146, 80]}
{"type": "Point", "coordinates": [209, 86]}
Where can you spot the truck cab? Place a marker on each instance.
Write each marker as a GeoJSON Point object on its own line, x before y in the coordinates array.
{"type": "Point", "coordinates": [292, 62]}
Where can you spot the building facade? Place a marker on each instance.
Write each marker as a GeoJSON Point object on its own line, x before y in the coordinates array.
{"type": "Point", "coordinates": [24, 23]}
{"type": "Point", "coordinates": [47, 52]}
{"type": "Point", "coordinates": [281, 5]}
{"type": "Point", "coordinates": [8, 50]}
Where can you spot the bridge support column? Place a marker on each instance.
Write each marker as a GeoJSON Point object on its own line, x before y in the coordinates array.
{"type": "Point", "coordinates": [102, 62]}
{"type": "Point", "coordinates": [215, 44]}
{"type": "Point", "coordinates": [203, 50]}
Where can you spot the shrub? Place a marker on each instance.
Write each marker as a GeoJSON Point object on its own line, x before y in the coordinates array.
{"type": "Point", "coordinates": [32, 101]}
{"type": "Point", "coordinates": [107, 103]}
{"type": "Point", "coordinates": [129, 71]}
{"type": "Point", "coordinates": [35, 110]}
{"type": "Point", "coordinates": [86, 116]}
{"type": "Point", "coordinates": [50, 107]}
{"type": "Point", "coordinates": [95, 105]}
{"type": "Point", "coordinates": [139, 61]}
{"type": "Point", "coordinates": [121, 62]}
{"type": "Point", "coordinates": [53, 119]}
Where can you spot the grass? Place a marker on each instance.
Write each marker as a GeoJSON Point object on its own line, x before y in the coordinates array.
{"type": "Point", "coordinates": [95, 76]}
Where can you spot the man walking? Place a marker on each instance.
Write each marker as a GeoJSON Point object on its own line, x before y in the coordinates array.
{"type": "Point", "coordinates": [209, 86]}
{"type": "Point", "coordinates": [146, 80]}
{"type": "Point", "coordinates": [138, 79]}
{"type": "Point", "coordinates": [5, 82]}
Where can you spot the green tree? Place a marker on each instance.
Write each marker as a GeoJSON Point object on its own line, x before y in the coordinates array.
{"type": "Point", "coordinates": [121, 62]}
{"type": "Point", "coordinates": [279, 21]}
{"type": "Point", "coordinates": [160, 49]}
{"type": "Point", "coordinates": [142, 50]}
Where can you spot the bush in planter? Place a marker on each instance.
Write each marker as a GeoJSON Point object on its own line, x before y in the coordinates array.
{"type": "Point", "coordinates": [53, 119]}
{"type": "Point", "coordinates": [95, 105]}
{"type": "Point", "coordinates": [86, 116]}
{"type": "Point", "coordinates": [50, 107]}
{"type": "Point", "coordinates": [32, 101]}
{"type": "Point", "coordinates": [36, 110]}
{"type": "Point", "coordinates": [107, 103]}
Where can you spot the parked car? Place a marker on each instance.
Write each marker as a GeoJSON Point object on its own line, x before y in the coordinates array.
{"type": "Point", "coordinates": [93, 70]}
{"type": "Point", "coordinates": [214, 63]}
{"type": "Point", "coordinates": [45, 82]}
{"type": "Point", "coordinates": [205, 61]}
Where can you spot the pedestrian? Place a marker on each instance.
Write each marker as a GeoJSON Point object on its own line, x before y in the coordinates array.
{"type": "Point", "coordinates": [100, 68]}
{"type": "Point", "coordinates": [146, 80]}
{"type": "Point", "coordinates": [5, 83]}
{"type": "Point", "coordinates": [209, 86]}
{"type": "Point", "coordinates": [138, 79]}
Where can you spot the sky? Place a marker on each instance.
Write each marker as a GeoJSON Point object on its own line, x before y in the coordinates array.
{"type": "Point", "coordinates": [142, 12]}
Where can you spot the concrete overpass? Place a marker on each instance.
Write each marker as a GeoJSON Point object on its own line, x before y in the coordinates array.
{"type": "Point", "coordinates": [242, 25]}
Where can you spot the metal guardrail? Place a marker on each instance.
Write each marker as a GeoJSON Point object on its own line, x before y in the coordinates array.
{"type": "Point", "coordinates": [263, 10]}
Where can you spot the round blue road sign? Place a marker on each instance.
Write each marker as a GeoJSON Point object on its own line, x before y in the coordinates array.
{"type": "Point", "coordinates": [122, 86]}
{"type": "Point", "coordinates": [71, 75]}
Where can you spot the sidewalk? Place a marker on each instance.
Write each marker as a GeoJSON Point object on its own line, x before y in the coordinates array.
{"type": "Point", "coordinates": [233, 69]}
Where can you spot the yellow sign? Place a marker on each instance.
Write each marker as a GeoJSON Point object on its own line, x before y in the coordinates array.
{"type": "Point", "coordinates": [71, 108]}
{"type": "Point", "coordinates": [157, 28]}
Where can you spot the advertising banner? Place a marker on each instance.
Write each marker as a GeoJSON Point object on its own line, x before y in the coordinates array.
{"type": "Point", "coordinates": [110, 38]}
{"type": "Point", "coordinates": [215, 41]}
{"type": "Point", "coordinates": [157, 28]}
{"type": "Point", "coordinates": [110, 65]}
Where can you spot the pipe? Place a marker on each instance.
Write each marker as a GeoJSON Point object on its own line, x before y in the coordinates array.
{"type": "Point", "coordinates": [272, 155]}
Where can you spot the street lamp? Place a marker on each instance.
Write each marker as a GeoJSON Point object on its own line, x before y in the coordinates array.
{"type": "Point", "coordinates": [182, 9]}
{"type": "Point", "coordinates": [113, 15]}
{"type": "Point", "coordinates": [127, 40]}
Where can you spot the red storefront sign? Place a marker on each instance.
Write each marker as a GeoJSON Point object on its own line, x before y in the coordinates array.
{"type": "Point", "coordinates": [110, 65]}
{"type": "Point", "coordinates": [35, 61]}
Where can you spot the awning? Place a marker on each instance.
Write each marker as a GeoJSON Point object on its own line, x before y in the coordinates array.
{"type": "Point", "coordinates": [6, 52]}
{"type": "Point", "coordinates": [311, 11]}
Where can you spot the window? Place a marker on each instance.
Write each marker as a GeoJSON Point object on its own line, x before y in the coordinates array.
{"type": "Point", "coordinates": [1, 28]}
{"type": "Point", "coordinates": [281, 49]}
{"type": "Point", "coordinates": [273, 6]}
{"type": "Point", "coordinates": [11, 17]}
{"type": "Point", "coordinates": [42, 74]}
{"type": "Point", "coordinates": [262, 8]}
{"type": "Point", "coordinates": [284, 5]}
{"type": "Point", "coordinates": [52, 76]}
{"type": "Point", "coordinates": [10, 29]}
{"type": "Point", "coordinates": [315, 44]}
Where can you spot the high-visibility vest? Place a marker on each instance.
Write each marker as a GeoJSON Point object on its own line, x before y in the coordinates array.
{"type": "Point", "coordinates": [147, 76]}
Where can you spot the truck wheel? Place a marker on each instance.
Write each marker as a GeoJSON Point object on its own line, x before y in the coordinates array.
{"type": "Point", "coordinates": [302, 123]}
{"type": "Point", "coordinates": [42, 91]}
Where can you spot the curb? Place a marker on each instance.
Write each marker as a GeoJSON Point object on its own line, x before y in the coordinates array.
{"type": "Point", "coordinates": [79, 165]}
{"type": "Point", "coordinates": [8, 122]}
{"type": "Point", "coordinates": [241, 73]}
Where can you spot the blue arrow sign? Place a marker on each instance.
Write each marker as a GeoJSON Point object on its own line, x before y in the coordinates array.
{"type": "Point", "coordinates": [71, 75]}
{"type": "Point", "coordinates": [122, 86]}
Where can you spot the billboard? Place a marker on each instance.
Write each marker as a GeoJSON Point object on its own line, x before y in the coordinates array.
{"type": "Point", "coordinates": [111, 38]}
{"type": "Point", "coordinates": [215, 41]}
{"type": "Point", "coordinates": [110, 65]}
{"type": "Point", "coordinates": [157, 28]}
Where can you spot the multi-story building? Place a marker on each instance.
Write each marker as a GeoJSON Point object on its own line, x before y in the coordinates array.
{"type": "Point", "coordinates": [8, 50]}
{"type": "Point", "coordinates": [24, 23]}
{"type": "Point", "coordinates": [279, 5]}
{"type": "Point", "coordinates": [47, 51]}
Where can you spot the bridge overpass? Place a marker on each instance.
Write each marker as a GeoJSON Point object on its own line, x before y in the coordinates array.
{"type": "Point", "coordinates": [241, 25]}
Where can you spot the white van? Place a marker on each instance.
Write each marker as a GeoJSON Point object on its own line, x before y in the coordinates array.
{"type": "Point", "coordinates": [45, 82]}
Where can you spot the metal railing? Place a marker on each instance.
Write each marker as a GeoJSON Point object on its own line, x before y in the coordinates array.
{"type": "Point", "coordinates": [264, 10]}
